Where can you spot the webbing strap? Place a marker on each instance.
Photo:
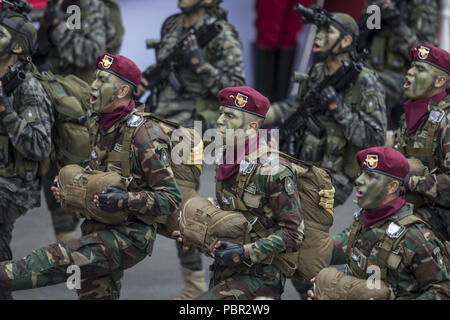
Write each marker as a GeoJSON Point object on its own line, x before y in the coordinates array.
{"type": "Point", "coordinates": [354, 230]}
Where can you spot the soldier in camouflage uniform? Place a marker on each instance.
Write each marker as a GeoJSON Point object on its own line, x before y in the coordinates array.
{"type": "Point", "coordinates": [74, 52]}
{"type": "Point", "coordinates": [386, 234]}
{"type": "Point", "coordinates": [424, 136]}
{"type": "Point", "coordinates": [26, 119]}
{"type": "Point", "coordinates": [352, 120]}
{"type": "Point", "coordinates": [206, 71]}
{"type": "Point", "coordinates": [104, 251]}
{"type": "Point", "coordinates": [270, 196]}
{"type": "Point", "coordinates": [404, 23]}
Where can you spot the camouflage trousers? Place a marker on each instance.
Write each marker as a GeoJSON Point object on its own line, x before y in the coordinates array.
{"type": "Point", "coordinates": [9, 212]}
{"type": "Point", "coordinates": [258, 281]}
{"type": "Point", "coordinates": [102, 253]}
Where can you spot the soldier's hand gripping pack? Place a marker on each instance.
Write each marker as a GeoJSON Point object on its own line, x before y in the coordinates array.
{"type": "Point", "coordinates": [78, 186]}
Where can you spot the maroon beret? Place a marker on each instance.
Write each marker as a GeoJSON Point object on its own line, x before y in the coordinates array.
{"type": "Point", "coordinates": [384, 160]}
{"type": "Point", "coordinates": [435, 56]}
{"type": "Point", "coordinates": [244, 99]}
{"type": "Point", "coordinates": [119, 66]}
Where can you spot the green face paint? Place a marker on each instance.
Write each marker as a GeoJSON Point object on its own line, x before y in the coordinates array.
{"type": "Point", "coordinates": [233, 124]}
{"type": "Point", "coordinates": [103, 90]}
{"type": "Point", "coordinates": [325, 39]}
{"type": "Point", "coordinates": [371, 189]}
{"type": "Point", "coordinates": [419, 80]}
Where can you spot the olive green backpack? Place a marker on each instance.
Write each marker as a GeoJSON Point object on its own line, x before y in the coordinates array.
{"type": "Point", "coordinates": [69, 96]}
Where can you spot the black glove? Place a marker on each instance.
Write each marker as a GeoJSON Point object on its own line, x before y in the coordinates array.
{"type": "Point", "coordinates": [109, 201]}
{"type": "Point", "coordinates": [56, 11]}
{"type": "Point", "coordinates": [390, 15]}
{"type": "Point", "coordinates": [195, 55]}
{"type": "Point", "coordinates": [6, 104]}
{"type": "Point", "coordinates": [328, 96]}
{"type": "Point", "coordinates": [230, 254]}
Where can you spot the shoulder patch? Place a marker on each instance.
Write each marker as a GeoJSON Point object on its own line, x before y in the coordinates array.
{"type": "Point", "coordinates": [135, 121]}
{"type": "Point", "coordinates": [163, 151]}
{"type": "Point", "coordinates": [436, 116]}
{"type": "Point", "coordinates": [394, 230]}
{"type": "Point", "coordinates": [30, 114]}
{"type": "Point", "coordinates": [371, 104]}
{"type": "Point", "coordinates": [289, 185]}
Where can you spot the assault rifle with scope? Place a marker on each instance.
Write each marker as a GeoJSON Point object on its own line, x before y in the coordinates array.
{"type": "Point", "coordinates": [305, 117]}
{"type": "Point", "coordinates": [165, 71]}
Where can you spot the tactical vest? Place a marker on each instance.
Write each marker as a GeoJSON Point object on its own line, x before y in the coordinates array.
{"type": "Point", "coordinates": [426, 154]}
{"type": "Point", "coordinates": [317, 220]}
{"type": "Point", "coordinates": [334, 152]}
{"type": "Point", "coordinates": [100, 158]}
{"type": "Point", "coordinates": [395, 232]}
{"type": "Point", "coordinates": [14, 164]}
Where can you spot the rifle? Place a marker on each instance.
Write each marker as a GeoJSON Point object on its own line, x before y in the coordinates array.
{"type": "Point", "coordinates": [293, 129]}
{"type": "Point", "coordinates": [44, 44]}
{"type": "Point", "coordinates": [19, 6]}
{"type": "Point", "coordinates": [159, 74]}
{"type": "Point", "coordinates": [14, 76]}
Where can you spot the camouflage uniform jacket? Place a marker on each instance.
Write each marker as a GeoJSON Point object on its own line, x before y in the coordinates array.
{"type": "Point", "coordinates": [270, 195]}
{"type": "Point", "coordinates": [434, 186]}
{"type": "Point", "coordinates": [361, 123]}
{"type": "Point", "coordinates": [25, 140]}
{"type": "Point", "coordinates": [389, 48]}
{"type": "Point", "coordinates": [415, 267]}
{"type": "Point", "coordinates": [224, 68]}
{"type": "Point", "coordinates": [77, 49]}
{"type": "Point", "coordinates": [154, 191]}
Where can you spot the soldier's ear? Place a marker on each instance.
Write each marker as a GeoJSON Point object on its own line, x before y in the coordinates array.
{"type": "Point", "coordinates": [395, 185]}
{"type": "Point", "coordinates": [441, 81]}
{"type": "Point", "coordinates": [346, 41]}
{"type": "Point", "coordinates": [17, 49]}
{"type": "Point", "coordinates": [124, 91]}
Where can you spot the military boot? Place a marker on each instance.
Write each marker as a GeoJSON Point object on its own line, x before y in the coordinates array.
{"type": "Point", "coordinates": [194, 284]}
{"type": "Point", "coordinates": [283, 75]}
{"type": "Point", "coordinates": [264, 70]}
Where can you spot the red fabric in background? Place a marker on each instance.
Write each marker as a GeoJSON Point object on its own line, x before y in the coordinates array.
{"type": "Point", "coordinates": [352, 7]}
{"type": "Point", "coordinates": [277, 23]}
{"type": "Point", "coordinates": [38, 4]}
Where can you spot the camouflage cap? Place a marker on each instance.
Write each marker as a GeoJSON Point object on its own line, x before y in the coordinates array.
{"type": "Point", "coordinates": [346, 24]}
{"type": "Point", "coordinates": [23, 31]}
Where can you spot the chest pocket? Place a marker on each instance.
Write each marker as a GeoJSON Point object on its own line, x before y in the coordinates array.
{"type": "Point", "coordinates": [252, 200]}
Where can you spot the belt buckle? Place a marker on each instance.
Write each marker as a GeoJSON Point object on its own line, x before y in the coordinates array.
{"type": "Point", "coordinates": [360, 260]}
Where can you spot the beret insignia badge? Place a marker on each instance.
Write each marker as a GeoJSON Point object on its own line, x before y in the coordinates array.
{"type": "Point", "coordinates": [423, 52]}
{"type": "Point", "coordinates": [240, 100]}
{"type": "Point", "coordinates": [371, 161]}
{"type": "Point", "coordinates": [107, 61]}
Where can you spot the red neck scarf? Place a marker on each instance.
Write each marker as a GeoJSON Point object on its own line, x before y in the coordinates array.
{"type": "Point", "coordinates": [415, 110]}
{"type": "Point", "coordinates": [374, 215]}
{"type": "Point", "coordinates": [227, 170]}
{"type": "Point", "coordinates": [110, 119]}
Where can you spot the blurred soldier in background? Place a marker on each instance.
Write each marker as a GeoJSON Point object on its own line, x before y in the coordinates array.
{"type": "Point", "coordinates": [404, 24]}
{"type": "Point", "coordinates": [73, 51]}
{"type": "Point", "coordinates": [424, 137]}
{"type": "Point", "coordinates": [26, 120]}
